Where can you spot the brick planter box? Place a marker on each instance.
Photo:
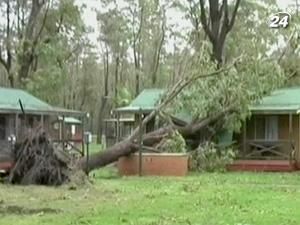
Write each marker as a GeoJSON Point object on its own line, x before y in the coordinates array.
{"type": "Point", "coordinates": [155, 164]}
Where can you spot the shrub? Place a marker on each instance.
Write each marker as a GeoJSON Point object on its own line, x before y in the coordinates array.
{"type": "Point", "coordinates": [175, 143]}
{"type": "Point", "coordinates": [208, 157]}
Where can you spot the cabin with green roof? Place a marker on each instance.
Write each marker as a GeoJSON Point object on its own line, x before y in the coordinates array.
{"type": "Point", "coordinates": [21, 112]}
{"type": "Point", "coordinates": [127, 117]}
{"type": "Point", "coordinates": [271, 134]}
{"type": "Point", "coordinates": [269, 139]}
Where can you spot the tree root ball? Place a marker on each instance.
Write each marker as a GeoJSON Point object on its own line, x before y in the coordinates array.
{"type": "Point", "coordinates": [37, 161]}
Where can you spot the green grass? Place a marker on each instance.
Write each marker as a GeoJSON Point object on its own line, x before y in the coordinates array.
{"type": "Point", "coordinates": [208, 199]}
{"type": "Point", "coordinates": [93, 148]}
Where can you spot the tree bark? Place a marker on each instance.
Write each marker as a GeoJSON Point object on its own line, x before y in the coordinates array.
{"type": "Point", "coordinates": [218, 25]}
{"type": "Point", "coordinates": [104, 96]}
{"type": "Point", "coordinates": [157, 53]}
{"type": "Point", "coordinates": [117, 65]}
{"type": "Point", "coordinates": [130, 146]}
{"type": "Point", "coordinates": [137, 48]}
{"type": "Point", "coordinates": [7, 61]}
{"type": "Point", "coordinates": [30, 38]}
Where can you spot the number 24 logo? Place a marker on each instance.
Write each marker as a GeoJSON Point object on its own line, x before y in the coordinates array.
{"type": "Point", "coordinates": [280, 19]}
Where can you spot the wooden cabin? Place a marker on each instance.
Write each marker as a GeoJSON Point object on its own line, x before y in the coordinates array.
{"type": "Point", "coordinates": [127, 118]}
{"type": "Point", "coordinates": [270, 138]}
{"type": "Point", "coordinates": [21, 113]}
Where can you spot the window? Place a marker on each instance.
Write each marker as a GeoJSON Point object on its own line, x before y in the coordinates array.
{"type": "Point", "coordinates": [2, 128]}
{"type": "Point", "coordinates": [73, 129]}
{"type": "Point", "coordinates": [271, 128]}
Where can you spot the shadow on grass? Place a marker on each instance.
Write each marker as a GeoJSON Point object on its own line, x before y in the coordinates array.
{"type": "Point", "coordinates": [17, 210]}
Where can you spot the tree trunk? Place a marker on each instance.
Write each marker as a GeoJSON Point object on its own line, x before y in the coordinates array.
{"type": "Point", "coordinates": [130, 145]}
{"type": "Point", "coordinates": [117, 76]}
{"type": "Point", "coordinates": [217, 25]}
{"type": "Point", "coordinates": [31, 36]}
{"type": "Point", "coordinates": [104, 97]}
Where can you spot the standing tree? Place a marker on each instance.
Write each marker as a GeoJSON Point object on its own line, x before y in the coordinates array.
{"type": "Point", "coordinates": [216, 23]}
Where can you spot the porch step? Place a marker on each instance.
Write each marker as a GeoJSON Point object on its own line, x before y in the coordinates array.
{"type": "Point", "coordinates": [262, 165]}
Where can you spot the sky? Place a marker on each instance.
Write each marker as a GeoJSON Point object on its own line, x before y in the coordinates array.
{"type": "Point", "coordinates": [174, 17]}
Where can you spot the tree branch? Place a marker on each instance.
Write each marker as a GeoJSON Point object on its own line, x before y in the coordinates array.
{"type": "Point", "coordinates": [204, 22]}
{"type": "Point", "coordinates": [233, 15]}
{"type": "Point", "coordinates": [42, 26]}
{"type": "Point", "coordinates": [169, 96]}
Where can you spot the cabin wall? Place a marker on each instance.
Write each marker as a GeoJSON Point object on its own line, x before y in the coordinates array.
{"type": "Point", "coordinates": [283, 130]}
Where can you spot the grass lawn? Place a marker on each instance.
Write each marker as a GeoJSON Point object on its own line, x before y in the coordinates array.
{"type": "Point", "coordinates": [208, 199]}
{"type": "Point", "coordinates": [94, 148]}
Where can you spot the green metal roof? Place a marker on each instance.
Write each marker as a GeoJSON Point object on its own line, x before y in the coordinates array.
{"type": "Point", "coordinates": [9, 99]}
{"type": "Point", "coordinates": [184, 116]}
{"type": "Point", "coordinates": [286, 100]}
{"type": "Point", "coordinates": [146, 101]}
{"type": "Point", "coordinates": [9, 103]}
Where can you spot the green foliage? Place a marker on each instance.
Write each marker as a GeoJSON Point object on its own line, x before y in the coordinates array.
{"type": "Point", "coordinates": [175, 143]}
{"type": "Point", "coordinates": [244, 84]}
{"type": "Point", "coordinates": [208, 157]}
{"type": "Point", "coordinates": [124, 97]}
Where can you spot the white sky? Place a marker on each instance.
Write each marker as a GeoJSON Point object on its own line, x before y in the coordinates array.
{"type": "Point", "coordinates": [174, 17]}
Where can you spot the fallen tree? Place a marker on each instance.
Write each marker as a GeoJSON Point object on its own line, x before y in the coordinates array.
{"type": "Point", "coordinates": [130, 145]}
{"type": "Point", "coordinates": [38, 161]}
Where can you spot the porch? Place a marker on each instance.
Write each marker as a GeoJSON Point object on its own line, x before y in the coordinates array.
{"type": "Point", "coordinates": [271, 136]}
{"type": "Point", "coordinates": [269, 142]}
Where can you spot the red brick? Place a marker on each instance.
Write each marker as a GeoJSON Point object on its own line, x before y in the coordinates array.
{"type": "Point", "coordinates": [155, 164]}
{"type": "Point", "coordinates": [262, 165]}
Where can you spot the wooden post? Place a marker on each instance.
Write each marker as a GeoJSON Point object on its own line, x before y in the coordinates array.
{"type": "Point", "coordinates": [290, 129]}
{"type": "Point", "coordinates": [63, 131]}
{"type": "Point", "coordinates": [255, 136]}
{"type": "Point", "coordinates": [82, 135]}
{"type": "Point", "coordinates": [16, 125]}
{"type": "Point", "coordinates": [118, 127]}
{"type": "Point", "coordinates": [42, 121]}
{"type": "Point", "coordinates": [244, 136]}
{"type": "Point", "coordinates": [290, 126]}
{"type": "Point", "coordinates": [140, 142]}
{"type": "Point", "coordinates": [296, 153]}
{"type": "Point", "coordinates": [60, 129]}
{"type": "Point", "coordinates": [290, 133]}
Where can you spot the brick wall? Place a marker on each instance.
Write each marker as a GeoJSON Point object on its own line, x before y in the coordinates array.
{"type": "Point", "coordinates": [156, 164]}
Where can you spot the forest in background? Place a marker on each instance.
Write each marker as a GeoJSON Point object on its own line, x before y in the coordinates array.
{"type": "Point", "coordinates": [45, 48]}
